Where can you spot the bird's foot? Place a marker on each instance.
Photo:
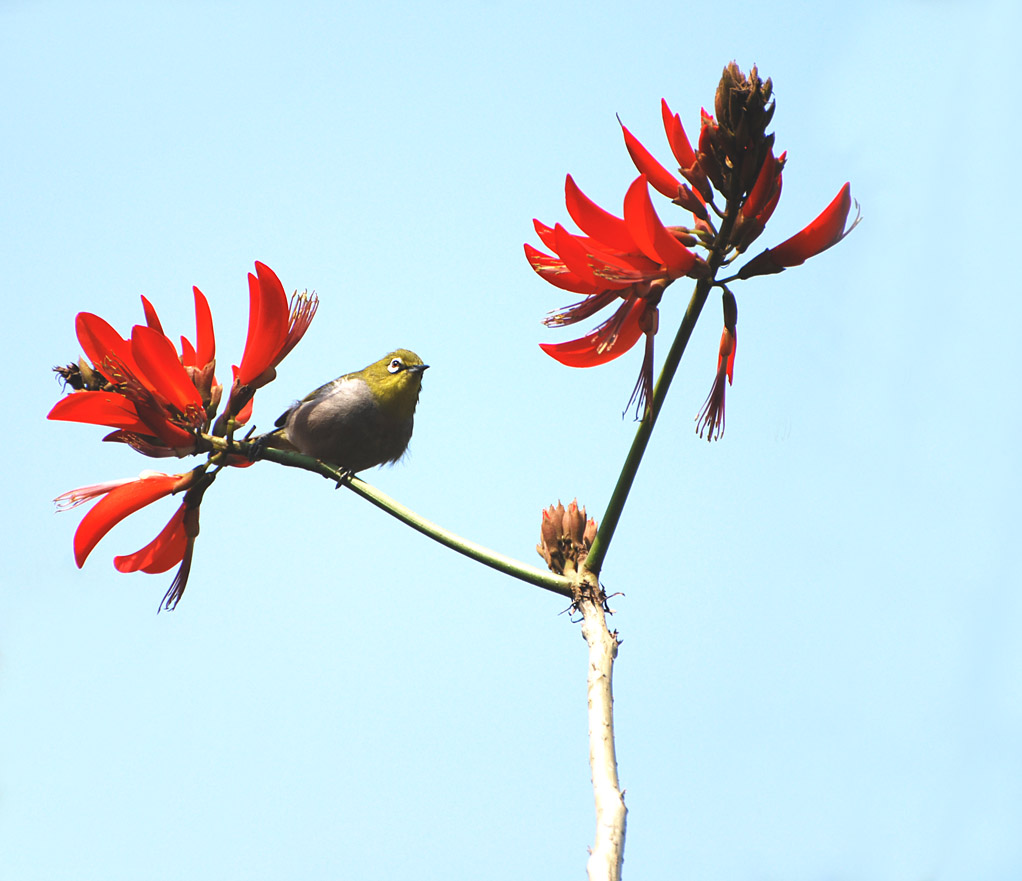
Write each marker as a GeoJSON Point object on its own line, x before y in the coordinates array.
{"type": "Point", "coordinates": [258, 445]}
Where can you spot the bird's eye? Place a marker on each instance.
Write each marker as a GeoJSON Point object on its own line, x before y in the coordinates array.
{"type": "Point", "coordinates": [396, 365]}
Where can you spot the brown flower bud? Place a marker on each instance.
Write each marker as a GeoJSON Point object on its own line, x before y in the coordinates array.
{"type": "Point", "coordinates": [565, 536]}
{"type": "Point", "coordinates": [576, 523]}
{"type": "Point", "coordinates": [740, 143]}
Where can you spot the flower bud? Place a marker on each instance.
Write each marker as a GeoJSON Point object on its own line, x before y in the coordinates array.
{"type": "Point", "coordinates": [566, 536]}
{"type": "Point", "coordinates": [738, 142]}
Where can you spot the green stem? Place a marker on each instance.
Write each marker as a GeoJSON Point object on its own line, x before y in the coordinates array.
{"type": "Point", "coordinates": [509, 566]}
{"type": "Point", "coordinates": [616, 505]}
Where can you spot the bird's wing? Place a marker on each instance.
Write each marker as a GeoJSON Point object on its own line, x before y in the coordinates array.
{"type": "Point", "coordinates": [321, 392]}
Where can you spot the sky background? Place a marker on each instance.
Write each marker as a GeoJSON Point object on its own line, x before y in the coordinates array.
{"type": "Point", "coordinates": [821, 668]}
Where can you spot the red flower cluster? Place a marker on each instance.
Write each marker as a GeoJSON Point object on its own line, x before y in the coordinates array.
{"type": "Point", "coordinates": [629, 261]}
{"type": "Point", "coordinates": [161, 401]}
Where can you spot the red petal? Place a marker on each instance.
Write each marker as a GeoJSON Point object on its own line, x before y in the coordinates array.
{"type": "Point", "coordinates": [99, 339]}
{"type": "Point", "coordinates": [594, 221]}
{"type": "Point", "coordinates": [676, 137]}
{"type": "Point", "coordinates": [661, 179]}
{"type": "Point", "coordinates": [245, 413]}
{"type": "Point", "coordinates": [188, 356]}
{"type": "Point", "coordinates": [157, 359]}
{"type": "Point", "coordinates": [162, 553]}
{"type": "Point", "coordinates": [767, 211]}
{"type": "Point", "coordinates": [602, 345]}
{"type": "Point", "coordinates": [574, 254]}
{"type": "Point", "coordinates": [555, 272]}
{"type": "Point", "coordinates": [824, 231]}
{"type": "Point", "coordinates": [726, 353]}
{"type": "Point", "coordinates": [151, 318]}
{"type": "Point", "coordinates": [99, 408]}
{"type": "Point", "coordinates": [763, 189]}
{"type": "Point", "coordinates": [619, 271]}
{"type": "Point", "coordinates": [115, 506]}
{"type": "Point", "coordinates": [268, 320]}
{"type": "Point", "coordinates": [205, 342]}
{"type": "Point", "coordinates": [650, 234]}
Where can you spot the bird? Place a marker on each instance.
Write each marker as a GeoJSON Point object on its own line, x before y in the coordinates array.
{"type": "Point", "coordinates": [358, 420]}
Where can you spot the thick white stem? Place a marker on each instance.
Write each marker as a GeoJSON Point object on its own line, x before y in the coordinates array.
{"type": "Point", "coordinates": [608, 849]}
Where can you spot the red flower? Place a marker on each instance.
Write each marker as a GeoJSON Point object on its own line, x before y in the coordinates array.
{"type": "Point", "coordinates": [274, 330]}
{"type": "Point", "coordinates": [761, 202]}
{"type": "Point", "coordinates": [824, 232]}
{"type": "Point", "coordinates": [119, 499]}
{"type": "Point", "coordinates": [198, 360]}
{"type": "Point", "coordinates": [159, 401]}
{"type": "Point", "coordinates": [636, 257]}
{"type": "Point", "coordinates": [631, 258]}
{"type": "Point", "coordinates": [661, 179]}
{"type": "Point", "coordinates": [146, 392]}
{"type": "Point", "coordinates": [710, 419]}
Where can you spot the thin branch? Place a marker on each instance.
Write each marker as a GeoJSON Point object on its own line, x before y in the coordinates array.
{"type": "Point", "coordinates": [502, 563]}
{"type": "Point", "coordinates": [616, 505]}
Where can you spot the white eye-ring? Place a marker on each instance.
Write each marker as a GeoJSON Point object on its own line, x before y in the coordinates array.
{"type": "Point", "coordinates": [396, 366]}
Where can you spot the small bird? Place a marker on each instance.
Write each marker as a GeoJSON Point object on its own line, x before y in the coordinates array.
{"type": "Point", "coordinates": [358, 420]}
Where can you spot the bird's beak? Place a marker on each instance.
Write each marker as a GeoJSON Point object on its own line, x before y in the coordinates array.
{"type": "Point", "coordinates": [419, 368]}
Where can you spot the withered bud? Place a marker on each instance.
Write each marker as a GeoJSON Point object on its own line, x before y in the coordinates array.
{"type": "Point", "coordinates": [744, 109]}
{"type": "Point", "coordinates": [742, 103]}
{"type": "Point", "coordinates": [565, 536]}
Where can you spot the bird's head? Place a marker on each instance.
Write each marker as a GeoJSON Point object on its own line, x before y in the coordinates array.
{"type": "Point", "coordinates": [395, 381]}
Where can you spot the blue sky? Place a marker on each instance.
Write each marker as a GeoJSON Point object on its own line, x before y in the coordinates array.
{"type": "Point", "coordinates": [821, 672]}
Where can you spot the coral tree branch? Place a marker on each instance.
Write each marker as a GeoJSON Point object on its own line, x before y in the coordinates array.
{"type": "Point", "coordinates": [502, 563]}
{"type": "Point", "coordinates": [607, 854]}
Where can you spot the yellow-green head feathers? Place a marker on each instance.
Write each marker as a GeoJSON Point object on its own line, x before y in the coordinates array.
{"type": "Point", "coordinates": [360, 419]}
{"type": "Point", "coordinates": [395, 381]}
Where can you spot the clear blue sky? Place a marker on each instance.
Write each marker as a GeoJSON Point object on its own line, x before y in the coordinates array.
{"type": "Point", "coordinates": [821, 669]}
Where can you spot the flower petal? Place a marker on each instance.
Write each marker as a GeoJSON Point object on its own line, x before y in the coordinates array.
{"type": "Point", "coordinates": [574, 254]}
{"type": "Point", "coordinates": [99, 340]}
{"type": "Point", "coordinates": [158, 362]}
{"type": "Point", "coordinates": [267, 323]}
{"type": "Point", "coordinates": [661, 179]}
{"type": "Point", "coordinates": [554, 271]}
{"type": "Point", "coordinates": [826, 230]}
{"type": "Point", "coordinates": [650, 234]}
{"type": "Point", "coordinates": [594, 221]}
{"type": "Point", "coordinates": [205, 341]}
{"type": "Point", "coordinates": [115, 506]}
{"type": "Point", "coordinates": [151, 318]}
{"type": "Point", "coordinates": [99, 408]}
{"type": "Point", "coordinates": [162, 553]}
{"type": "Point", "coordinates": [609, 341]}
{"type": "Point", "coordinates": [763, 190]}
{"type": "Point", "coordinates": [188, 355]}
{"type": "Point", "coordinates": [676, 137]}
